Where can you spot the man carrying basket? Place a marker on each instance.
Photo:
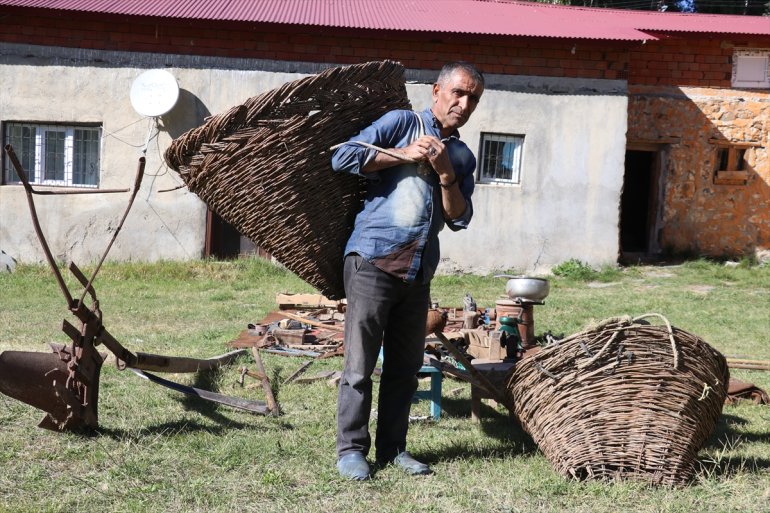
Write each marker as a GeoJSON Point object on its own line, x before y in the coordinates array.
{"type": "Point", "coordinates": [419, 178]}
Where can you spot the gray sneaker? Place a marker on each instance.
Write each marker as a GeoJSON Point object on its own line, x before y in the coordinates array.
{"type": "Point", "coordinates": [353, 466]}
{"type": "Point", "coordinates": [411, 465]}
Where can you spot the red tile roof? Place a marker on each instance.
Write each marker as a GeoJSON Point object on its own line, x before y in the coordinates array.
{"type": "Point", "coordinates": [495, 17]}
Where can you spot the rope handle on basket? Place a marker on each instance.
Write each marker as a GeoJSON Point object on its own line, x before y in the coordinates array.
{"type": "Point", "coordinates": [625, 323]}
{"type": "Point", "coordinates": [373, 147]}
{"type": "Point", "coordinates": [607, 344]}
{"type": "Point", "coordinates": [383, 150]}
{"type": "Point", "coordinates": [670, 334]}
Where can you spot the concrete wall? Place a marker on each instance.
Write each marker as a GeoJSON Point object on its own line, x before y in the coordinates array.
{"type": "Point", "coordinates": [572, 174]}
{"type": "Point", "coordinates": [566, 205]}
{"type": "Point", "coordinates": [78, 227]}
{"type": "Point", "coordinates": [47, 84]}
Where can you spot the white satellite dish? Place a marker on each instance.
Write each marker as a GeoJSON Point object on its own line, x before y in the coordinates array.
{"type": "Point", "coordinates": [154, 92]}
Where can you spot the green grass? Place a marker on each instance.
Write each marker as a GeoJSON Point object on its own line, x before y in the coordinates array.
{"type": "Point", "coordinates": [159, 451]}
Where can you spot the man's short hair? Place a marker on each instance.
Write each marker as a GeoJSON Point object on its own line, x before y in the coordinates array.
{"type": "Point", "coordinates": [451, 67]}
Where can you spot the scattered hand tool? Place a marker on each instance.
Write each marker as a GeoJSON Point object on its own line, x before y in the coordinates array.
{"type": "Point", "coordinates": [740, 363]}
{"type": "Point", "coordinates": [313, 322]}
{"type": "Point", "coordinates": [271, 402]}
{"type": "Point", "coordinates": [297, 373]}
{"type": "Point", "coordinates": [484, 382]}
{"type": "Point", "coordinates": [233, 402]}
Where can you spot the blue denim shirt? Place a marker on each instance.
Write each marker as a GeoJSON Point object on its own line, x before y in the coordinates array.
{"type": "Point", "coordinates": [397, 228]}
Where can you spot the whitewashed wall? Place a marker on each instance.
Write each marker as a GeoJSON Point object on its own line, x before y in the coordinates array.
{"type": "Point", "coordinates": [568, 202]}
{"type": "Point", "coordinates": [566, 206]}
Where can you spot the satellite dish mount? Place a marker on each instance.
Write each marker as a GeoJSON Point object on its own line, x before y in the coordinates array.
{"type": "Point", "coordinates": [154, 93]}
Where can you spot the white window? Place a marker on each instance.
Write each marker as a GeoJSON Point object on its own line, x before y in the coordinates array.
{"type": "Point", "coordinates": [750, 68]}
{"type": "Point", "coordinates": [54, 154]}
{"type": "Point", "coordinates": [500, 158]}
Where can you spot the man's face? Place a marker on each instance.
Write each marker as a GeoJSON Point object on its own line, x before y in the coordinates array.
{"type": "Point", "coordinates": [455, 100]}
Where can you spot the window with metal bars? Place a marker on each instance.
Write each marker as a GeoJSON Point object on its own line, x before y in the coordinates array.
{"type": "Point", "coordinates": [500, 158]}
{"type": "Point", "coordinates": [62, 155]}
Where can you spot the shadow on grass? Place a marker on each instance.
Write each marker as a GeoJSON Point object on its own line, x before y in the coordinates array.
{"type": "Point", "coordinates": [222, 424]}
{"type": "Point", "coordinates": [723, 431]}
{"type": "Point", "coordinates": [501, 426]}
{"type": "Point", "coordinates": [496, 424]}
{"type": "Point", "coordinates": [725, 440]}
{"type": "Point", "coordinates": [171, 429]}
{"type": "Point", "coordinates": [208, 380]}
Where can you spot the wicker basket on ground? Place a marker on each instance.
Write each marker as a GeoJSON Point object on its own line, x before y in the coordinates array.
{"type": "Point", "coordinates": [623, 399]}
{"type": "Point", "coordinates": [264, 166]}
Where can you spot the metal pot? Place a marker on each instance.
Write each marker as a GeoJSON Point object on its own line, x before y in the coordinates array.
{"type": "Point", "coordinates": [525, 287]}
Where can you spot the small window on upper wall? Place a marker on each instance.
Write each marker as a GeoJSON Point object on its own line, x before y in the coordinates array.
{"type": "Point", "coordinates": [64, 155]}
{"type": "Point", "coordinates": [751, 68]}
{"type": "Point", "coordinates": [500, 158]}
{"type": "Point", "coordinates": [731, 162]}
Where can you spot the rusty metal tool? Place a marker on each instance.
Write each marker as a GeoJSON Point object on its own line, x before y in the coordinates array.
{"type": "Point", "coordinates": [297, 373]}
{"type": "Point", "coordinates": [271, 402]}
{"type": "Point", "coordinates": [65, 384]}
{"type": "Point", "coordinates": [254, 374]}
{"type": "Point", "coordinates": [65, 388]}
{"type": "Point", "coordinates": [161, 363]}
{"type": "Point", "coordinates": [313, 322]}
{"type": "Point", "coordinates": [485, 383]}
{"type": "Point", "coordinates": [286, 351]}
{"type": "Point", "coordinates": [234, 402]}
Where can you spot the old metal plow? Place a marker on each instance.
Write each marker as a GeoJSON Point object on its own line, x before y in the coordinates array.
{"type": "Point", "coordinates": [65, 382]}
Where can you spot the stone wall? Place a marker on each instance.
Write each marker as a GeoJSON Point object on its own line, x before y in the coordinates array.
{"type": "Point", "coordinates": [701, 214]}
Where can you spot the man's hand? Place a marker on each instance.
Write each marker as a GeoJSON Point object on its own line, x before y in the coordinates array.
{"type": "Point", "coordinates": [433, 151]}
{"type": "Point", "coordinates": [427, 149]}
{"type": "Point", "coordinates": [430, 149]}
{"type": "Point", "coordinates": [423, 149]}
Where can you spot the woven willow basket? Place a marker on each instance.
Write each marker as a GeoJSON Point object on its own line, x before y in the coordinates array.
{"type": "Point", "coordinates": [623, 399]}
{"type": "Point", "coordinates": [264, 166]}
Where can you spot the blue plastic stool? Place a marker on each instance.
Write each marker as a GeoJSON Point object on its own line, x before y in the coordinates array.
{"type": "Point", "coordinates": [434, 394]}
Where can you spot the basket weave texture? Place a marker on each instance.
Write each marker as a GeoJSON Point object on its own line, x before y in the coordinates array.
{"type": "Point", "coordinates": [623, 399]}
{"type": "Point", "coordinates": [264, 166]}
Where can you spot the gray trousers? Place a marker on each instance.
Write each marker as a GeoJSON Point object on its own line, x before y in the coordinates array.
{"type": "Point", "coordinates": [382, 311]}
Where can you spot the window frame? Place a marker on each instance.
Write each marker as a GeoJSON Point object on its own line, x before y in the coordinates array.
{"type": "Point", "coordinates": [515, 178]}
{"type": "Point", "coordinates": [731, 161]}
{"type": "Point", "coordinates": [64, 175]}
{"type": "Point", "coordinates": [743, 55]}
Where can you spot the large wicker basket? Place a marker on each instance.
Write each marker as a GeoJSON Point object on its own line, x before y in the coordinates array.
{"type": "Point", "coordinates": [264, 166]}
{"type": "Point", "coordinates": [623, 399]}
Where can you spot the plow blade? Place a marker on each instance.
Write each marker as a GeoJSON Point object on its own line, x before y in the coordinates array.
{"type": "Point", "coordinates": [174, 364]}
{"type": "Point", "coordinates": [233, 402]}
{"type": "Point", "coordinates": [40, 380]}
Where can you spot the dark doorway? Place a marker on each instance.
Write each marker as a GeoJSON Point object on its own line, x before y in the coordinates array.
{"type": "Point", "coordinates": [639, 205]}
{"type": "Point", "coordinates": [223, 241]}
